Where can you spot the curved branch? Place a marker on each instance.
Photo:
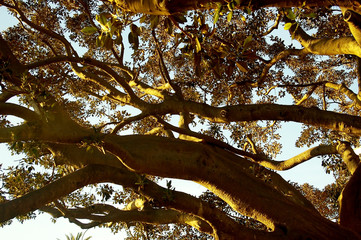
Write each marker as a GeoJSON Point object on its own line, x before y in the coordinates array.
{"type": "Point", "coordinates": [353, 20]}
{"type": "Point", "coordinates": [128, 121]}
{"type": "Point", "coordinates": [275, 25]}
{"type": "Point", "coordinates": [348, 92]}
{"type": "Point", "coordinates": [69, 49]}
{"type": "Point", "coordinates": [49, 193]}
{"type": "Point", "coordinates": [280, 56]}
{"type": "Point", "coordinates": [303, 157]}
{"type": "Point", "coordinates": [234, 182]}
{"type": "Point", "coordinates": [18, 111]}
{"type": "Point", "coordinates": [325, 46]}
{"type": "Point", "coordinates": [254, 112]}
{"type": "Point", "coordinates": [102, 213]}
{"type": "Point", "coordinates": [197, 137]}
{"type": "Point", "coordinates": [84, 75]}
{"type": "Point", "coordinates": [348, 156]}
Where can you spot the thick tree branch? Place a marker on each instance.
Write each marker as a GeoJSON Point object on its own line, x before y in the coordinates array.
{"type": "Point", "coordinates": [325, 46]}
{"type": "Point", "coordinates": [18, 111]}
{"type": "Point", "coordinates": [350, 210]}
{"type": "Point", "coordinates": [191, 156]}
{"type": "Point", "coordinates": [247, 194]}
{"type": "Point", "coordinates": [175, 6]}
{"type": "Point", "coordinates": [348, 156]}
{"type": "Point", "coordinates": [49, 193]}
{"type": "Point", "coordinates": [254, 112]}
{"type": "Point", "coordinates": [353, 20]}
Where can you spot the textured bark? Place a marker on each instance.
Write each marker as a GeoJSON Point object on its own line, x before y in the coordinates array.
{"type": "Point", "coordinates": [247, 195]}
{"type": "Point", "coordinates": [350, 211]}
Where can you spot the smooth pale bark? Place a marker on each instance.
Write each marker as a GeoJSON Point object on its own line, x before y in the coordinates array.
{"type": "Point", "coordinates": [296, 160]}
{"type": "Point", "coordinates": [348, 156]}
{"type": "Point", "coordinates": [325, 46]}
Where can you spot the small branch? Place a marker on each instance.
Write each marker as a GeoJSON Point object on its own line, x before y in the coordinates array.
{"type": "Point", "coordinates": [103, 213]}
{"type": "Point", "coordinates": [348, 92]}
{"type": "Point", "coordinates": [181, 29]}
{"type": "Point", "coordinates": [275, 25]}
{"type": "Point", "coordinates": [358, 72]}
{"type": "Point", "coordinates": [303, 157]}
{"type": "Point", "coordinates": [69, 49]}
{"type": "Point", "coordinates": [164, 71]}
{"type": "Point", "coordinates": [280, 56]}
{"type": "Point", "coordinates": [206, 139]}
{"type": "Point", "coordinates": [250, 141]}
{"type": "Point", "coordinates": [52, 191]}
{"type": "Point", "coordinates": [128, 121]}
{"type": "Point", "coordinates": [307, 95]}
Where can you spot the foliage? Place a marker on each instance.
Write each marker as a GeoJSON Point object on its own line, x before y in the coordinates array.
{"type": "Point", "coordinates": [111, 101]}
{"type": "Point", "coordinates": [79, 236]}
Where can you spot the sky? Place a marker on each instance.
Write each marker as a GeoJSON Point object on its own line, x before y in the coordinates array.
{"type": "Point", "coordinates": [43, 229]}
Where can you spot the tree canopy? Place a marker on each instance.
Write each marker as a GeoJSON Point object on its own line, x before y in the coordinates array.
{"type": "Point", "coordinates": [112, 96]}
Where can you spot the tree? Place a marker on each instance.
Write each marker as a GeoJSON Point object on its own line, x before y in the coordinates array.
{"type": "Point", "coordinates": [98, 128]}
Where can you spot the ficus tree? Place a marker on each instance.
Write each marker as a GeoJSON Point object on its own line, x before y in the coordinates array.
{"type": "Point", "coordinates": [112, 96]}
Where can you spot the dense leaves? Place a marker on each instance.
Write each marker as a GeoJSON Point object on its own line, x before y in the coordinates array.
{"type": "Point", "coordinates": [84, 75]}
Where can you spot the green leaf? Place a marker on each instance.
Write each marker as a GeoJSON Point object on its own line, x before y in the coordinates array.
{"type": "Point", "coordinates": [288, 26]}
{"type": "Point", "coordinates": [290, 14]}
{"type": "Point", "coordinates": [97, 42]}
{"type": "Point", "coordinates": [119, 39]}
{"type": "Point", "coordinates": [198, 45]}
{"type": "Point", "coordinates": [135, 29]}
{"type": "Point", "coordinates": [230, 6]}
{"type": "Point", "coordinates": [108, 42]}
{"type": "Point", "coordinates": [154, 20]}
{"type": "Point", "coordinates": [89, 30]}
{"type": "Point", "coordinates": [229, 16]}
{"type": "Point", "coordinates": [143, 19]}
{"type": "Point", "coordinates": [242, 66]}
{"type": "Point", "coordinates": [179, 18]}
{"type": "Point", "coordinates": [168, 26]}
{"type": "Point", "coordinates": [243, 18]}
{"type": "Point", "coordinates": [101, 18]}
{"type": "Point", "coordinates": [217, 13]}
{"type": "Point", "coordinates": [311, 15]}
{"type": "Point", "coordinates": [133, 40]}
{"type": "Point", "coordinates": [247, 41]}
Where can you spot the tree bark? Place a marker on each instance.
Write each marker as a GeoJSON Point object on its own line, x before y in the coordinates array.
{"type": "Point", "coordinates": [162, 7]}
